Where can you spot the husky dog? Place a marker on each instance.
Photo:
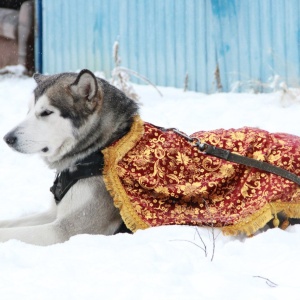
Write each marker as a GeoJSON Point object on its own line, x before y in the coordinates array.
{"type": "Point", "coordinates": [71, 116]}
{"type": "Point", "coordinates": [112, 166]}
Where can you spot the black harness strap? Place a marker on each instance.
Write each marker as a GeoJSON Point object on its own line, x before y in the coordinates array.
{"type": "Point", "coordinates": [88, 167]}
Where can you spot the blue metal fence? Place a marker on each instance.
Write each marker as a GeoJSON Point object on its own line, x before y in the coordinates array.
{"type": "Point", "coordinates": [218, 43]}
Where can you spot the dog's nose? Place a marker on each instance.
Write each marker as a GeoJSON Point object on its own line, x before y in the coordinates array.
{"type": "Point", "coordinates": [10, 139]}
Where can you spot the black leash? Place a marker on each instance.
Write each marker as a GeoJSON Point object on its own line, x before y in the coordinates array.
{"type": "Point", "coordinates": [236, 158]}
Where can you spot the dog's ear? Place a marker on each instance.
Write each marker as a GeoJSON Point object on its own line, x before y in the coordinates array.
{"type": "Point", "coordinates": [39, 78]}
{"type": "Point", "coordinates": [85, 85]}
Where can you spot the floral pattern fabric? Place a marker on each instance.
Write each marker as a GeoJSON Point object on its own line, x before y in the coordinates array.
{"type": "Point", "coordinates": [157, 177]}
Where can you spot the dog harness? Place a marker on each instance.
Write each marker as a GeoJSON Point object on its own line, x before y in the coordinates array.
{"type": "Point", "coordinates": [156, 178]}
{"type": "Point", "coordinates": [88, 167]}
{"type": "Point", "coordinates": [91, 166]}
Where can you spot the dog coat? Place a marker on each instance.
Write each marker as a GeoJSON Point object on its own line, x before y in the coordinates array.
{"type": "Point", "coordinates": [156, 177]}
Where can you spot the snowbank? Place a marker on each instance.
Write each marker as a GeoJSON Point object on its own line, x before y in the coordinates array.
{"type": "Point", "coordinates": [159, 263]}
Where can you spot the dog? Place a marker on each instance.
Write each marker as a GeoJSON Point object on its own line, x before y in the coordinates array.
{"type": "Point", "coordinates": [60, 126]}
{"type": "Point", "coordinates": [81, 126]}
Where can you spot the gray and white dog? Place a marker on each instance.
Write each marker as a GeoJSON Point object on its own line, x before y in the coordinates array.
{"type": "Point", "coordinates": [71, 117]}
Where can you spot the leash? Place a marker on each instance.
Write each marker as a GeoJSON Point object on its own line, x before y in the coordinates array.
{"type": "Point", "coordinates": [236, 158]}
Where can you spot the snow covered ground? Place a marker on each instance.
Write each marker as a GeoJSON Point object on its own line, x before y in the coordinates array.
{"type": "Point", "coordinates": [159, 263]}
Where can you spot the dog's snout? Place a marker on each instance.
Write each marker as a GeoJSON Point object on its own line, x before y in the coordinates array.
{"type": "Point", "coordinates": [10, 139]}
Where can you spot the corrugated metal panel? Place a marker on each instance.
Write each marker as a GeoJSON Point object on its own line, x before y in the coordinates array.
{"type": "Point", "coordinates": [217, 42]}
{"type": "Point", "coordinates": [38, 31]}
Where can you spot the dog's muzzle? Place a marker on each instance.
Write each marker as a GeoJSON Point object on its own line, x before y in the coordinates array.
{"type": "Point", "coordinates": [10, 139]}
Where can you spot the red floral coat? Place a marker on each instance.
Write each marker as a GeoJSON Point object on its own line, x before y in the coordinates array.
{"type": "Point", "coordinates": [157, 177]}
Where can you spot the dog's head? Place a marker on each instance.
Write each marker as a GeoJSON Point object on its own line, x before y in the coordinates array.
{"type": "Point", "coordinates": [66, 110]}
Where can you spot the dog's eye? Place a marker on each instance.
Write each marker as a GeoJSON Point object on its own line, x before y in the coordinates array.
{"type": "Point", "coordinates": [46, 113]}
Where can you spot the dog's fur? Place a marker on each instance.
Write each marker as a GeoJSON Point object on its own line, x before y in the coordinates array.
{"type": "Point", "coordinates": [71, 116]}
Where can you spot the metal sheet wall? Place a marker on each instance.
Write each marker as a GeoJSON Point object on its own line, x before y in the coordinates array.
{"type": "Point", "coordinates": [218, 43]}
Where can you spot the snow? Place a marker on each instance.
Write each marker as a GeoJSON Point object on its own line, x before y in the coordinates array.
{"type": "Point", "coordinates": [158, 263]}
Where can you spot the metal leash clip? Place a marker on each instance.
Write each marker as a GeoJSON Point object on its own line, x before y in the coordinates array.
{"type": "Point", "coordinates": [197, 143]}
{"type": "Point", "coordinates": [193, 140]}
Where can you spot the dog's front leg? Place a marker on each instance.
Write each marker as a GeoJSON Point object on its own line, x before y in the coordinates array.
{"type": "Point", "coordinates": [43, 235]}
{"type": "Point", "coordinates": [32, 220]}
{"type": "Point", "coordinates": [88, 208]}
